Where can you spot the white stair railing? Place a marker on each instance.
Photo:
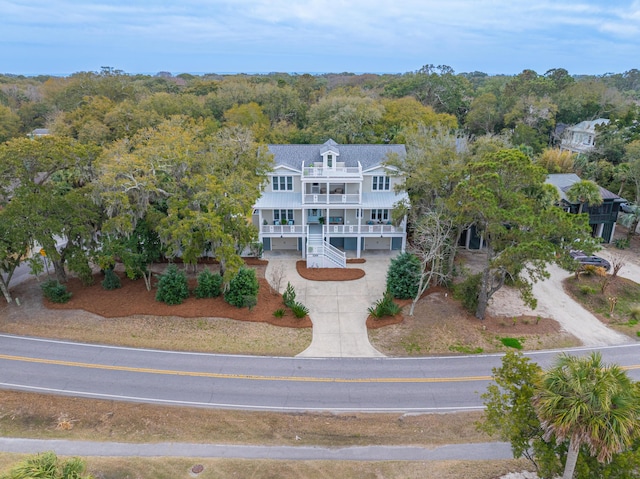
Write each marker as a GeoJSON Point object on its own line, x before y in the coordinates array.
{"type": "Point", "coordinates": [317, 247]}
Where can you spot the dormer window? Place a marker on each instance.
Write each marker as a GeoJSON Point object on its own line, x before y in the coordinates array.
{"type": "Point", "coordinates": [329, 161]}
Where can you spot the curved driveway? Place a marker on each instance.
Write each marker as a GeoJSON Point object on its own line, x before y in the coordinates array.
{"type": "Point", "coordinates": [259, 383]}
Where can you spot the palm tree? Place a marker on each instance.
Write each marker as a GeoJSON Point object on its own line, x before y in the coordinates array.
{"type": "Point", "coordinates": [591, 404]}
{"type": "Point", "coordinates": [631, 219]}
{"type": "Point", "coordinates": [584, 191]}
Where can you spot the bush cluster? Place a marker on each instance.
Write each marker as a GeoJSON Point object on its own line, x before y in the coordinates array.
{"type": "Point", "coordinates": [298, 309]}
{"type": "Point", "coordinates": [209, 285]}
{"type": "Point", "coordinates": [173, 287]}
{"type": "Point", "coordinates": [403, 276]}
{"type": "Point", "coordinates": [385, 306]}
{"type": "Point", "coordinates": [55, 292]}
{"type": "Point", "coordinates": [243, 289]}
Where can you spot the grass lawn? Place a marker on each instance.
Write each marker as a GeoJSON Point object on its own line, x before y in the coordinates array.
{"type": "Point", "coordinates": [172, 468]}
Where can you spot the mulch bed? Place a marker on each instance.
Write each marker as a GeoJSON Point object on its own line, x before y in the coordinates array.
{"type": "Point", "coordinates": [328, 274]}
{"type": "Point", "coordinates": [134, 299]}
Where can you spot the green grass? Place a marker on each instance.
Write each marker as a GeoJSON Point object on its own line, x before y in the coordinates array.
{"type": "Point", "coordinates": [618, 306]}
{"type": "Point", "coordinates": [511, 343]}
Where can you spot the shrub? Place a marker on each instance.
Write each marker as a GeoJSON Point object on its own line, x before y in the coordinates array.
{"type": "Point", "coordinates": [55, 292]}
{"type": "Point", "coordinates": [299, 310]}
{"type": "Point", "coordinates": [586, 289]}
{"type": "Point", "coordinates": [385, 306]}
{"type": "Point", "coordinates": [279, 313]}
{"type": "Point", "coordinates": [622, 243]}
{"type": "Point", "coordinates": [111, 280]}
{"type": "Point", "coordinates": [592, 270]}
{"type": "Point", "coordinates": [173, 287]}
{"type": "Point", "coordinates": [467, 292]}
{"type": "Point", "coordinates": [244, 285]}
{"type": "Point", "coordinates": [403, 276]}
{"type": "Point", "coordinates": [209, 285]}
{"type": "Point", "coordinates": [635, 313]}
{"type": "Point", "coordinates": [511, 343]}
{"type": "Point", "coordinates": [256, 249]}
{"type": "Point", "coordinates": [289, 296]}
{"type": "Point", "coordinates": [250, 301]}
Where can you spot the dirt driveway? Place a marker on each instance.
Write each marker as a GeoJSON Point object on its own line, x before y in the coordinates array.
{"type": "Point", "coordinates": [554, 303]}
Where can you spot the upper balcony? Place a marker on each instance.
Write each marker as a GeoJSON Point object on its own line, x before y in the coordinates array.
{"type": "Point", "coordinates": [340, 171]}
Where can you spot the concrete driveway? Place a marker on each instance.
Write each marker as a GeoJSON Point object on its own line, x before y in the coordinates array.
{"type": "Point", "coordinates": [338, 309]}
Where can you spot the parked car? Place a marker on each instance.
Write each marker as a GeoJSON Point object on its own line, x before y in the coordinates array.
{"type": "Point", "coordinates": [591, 260]}
{"type": "Point", "coordinates": [626, 208]}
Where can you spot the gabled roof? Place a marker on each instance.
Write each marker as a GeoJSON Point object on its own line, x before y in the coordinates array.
{"type": "Point", "coordinates": [369, 156]}
{"type": "Point", "coordinates": [589, 126]}
{"type": "Point", "coordinates": [564, 181]}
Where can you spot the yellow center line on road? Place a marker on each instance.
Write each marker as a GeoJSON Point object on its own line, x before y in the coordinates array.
{"type": "Point", "coordinates": [241, 376]}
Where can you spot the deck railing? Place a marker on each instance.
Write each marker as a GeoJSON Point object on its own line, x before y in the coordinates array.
{"type": "Point", "coordinates": [320, 198]}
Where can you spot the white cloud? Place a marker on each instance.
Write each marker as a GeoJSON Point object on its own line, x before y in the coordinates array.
{"type": "Point", "coordinates": [411, 31]}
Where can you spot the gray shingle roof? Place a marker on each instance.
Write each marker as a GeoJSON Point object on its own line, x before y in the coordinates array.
{"type": "Point", "coordinates": [564, 181]}
{"type": "Point", "coordinates": [369, 156]}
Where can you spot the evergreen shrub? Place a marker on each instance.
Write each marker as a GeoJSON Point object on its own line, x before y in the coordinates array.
{"type": "Point", "coordinates": [111, 280]}
{"type": "Point", "coordinates": [173, 287]}
{"type": "Point", "coordinates": [244, 285]}
{"type": "Point", "coordinates": [209, 285]}
{"type": "Point", "coordinates": [468, 291]}
{"type": "Point", "coordinates": [403, 276]}
{"type": "Point", "coordinates": [55, 292]}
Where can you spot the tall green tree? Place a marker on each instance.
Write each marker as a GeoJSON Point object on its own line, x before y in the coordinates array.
{"type": "Point", "coordinates": [346, 119]}
{"type": "Point", "coordinates": [49, 182]}
{"type": "Point", "coordinates": [15, 242]}
{"type": "Point", "coordinates": [206, 185]}
{"type": "Point", "coordinates": [588, 403]}
{"type": "Point", "coordinates": [504, 197]}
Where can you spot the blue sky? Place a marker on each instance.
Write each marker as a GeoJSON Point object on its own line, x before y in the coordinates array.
{"type": "Point", "coordinates": [300, 36]}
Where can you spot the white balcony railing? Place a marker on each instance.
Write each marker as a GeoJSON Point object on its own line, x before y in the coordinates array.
{"type": "Point", "coordinates": [332, 199]}
{"type": "Point", "coordinates": [282, 230]}
{"type": "Point", "coordinates": [362, 229]}
{"type": "Point", "coordinates": [338, 171]}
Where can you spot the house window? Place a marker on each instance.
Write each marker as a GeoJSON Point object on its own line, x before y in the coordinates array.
{"type": "Point", "coordinates": [359, 213]}
{"type": "Point", "coordinates": [283, 183]}
{"type": "Point", "coordinates": [380, 215]}
{"type": "Point", "coordinates": [329, 161]}
{"type": "Point", "coordinates": [380, 183]}
{"type": "Point", "coordinates": [279, 215]}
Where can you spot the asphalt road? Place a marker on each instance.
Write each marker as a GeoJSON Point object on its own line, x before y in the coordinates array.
{"type": "Point", "coordinates": [261, 383]}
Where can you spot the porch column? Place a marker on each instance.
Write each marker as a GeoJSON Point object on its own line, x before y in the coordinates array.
{"type": "Point", "coordinates": [359, 213]}
{"type": "Point", "coordinates": [325, 226]}
{"type": "Point", "coordinates": [404, 235]}
{"type": "Point", "coordinates": [260, 226]}
{"type": "Point", "coordinates": [613, 232]}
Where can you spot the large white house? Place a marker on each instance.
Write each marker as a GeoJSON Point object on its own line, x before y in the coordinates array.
{"type": "Point", "coordinates": [581, 138]}
{"type": "Point", "coordinates": [323, 200]}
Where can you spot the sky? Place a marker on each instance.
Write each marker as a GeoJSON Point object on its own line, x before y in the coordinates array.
{"type": "Point", "coordinates": [318, 36]}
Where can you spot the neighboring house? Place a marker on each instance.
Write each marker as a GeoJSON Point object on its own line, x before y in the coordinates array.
{"type": "Point", "coordinates": [38, 132]}
{"type": "Point", "coordinates": [581, 138]}
{"type": "Point", "coordinates": [602, 218]}
{"type": "Point", "coordinates": [325, 199]}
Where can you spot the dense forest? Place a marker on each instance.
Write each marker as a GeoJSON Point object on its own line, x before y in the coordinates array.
{"type": "Point", "coordinates": [178, 161]}
{"type": "Point", "coordinates": [525, 110]}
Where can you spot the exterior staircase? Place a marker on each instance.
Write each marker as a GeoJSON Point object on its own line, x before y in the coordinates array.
{"type": "Point", "coordinates": [320, 253]}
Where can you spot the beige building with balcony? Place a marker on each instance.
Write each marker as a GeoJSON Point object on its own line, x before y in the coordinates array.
{"type": "Point", "coordinates": [324, 200]}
